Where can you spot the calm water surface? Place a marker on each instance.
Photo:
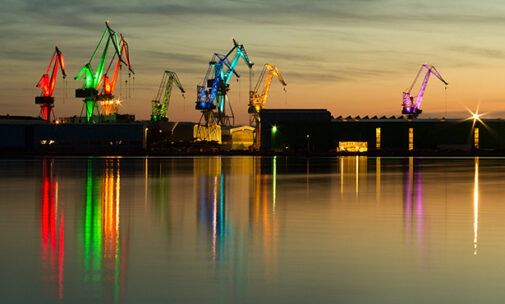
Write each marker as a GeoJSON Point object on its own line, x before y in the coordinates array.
{"type": "Point", "coordinates": [252, 230]}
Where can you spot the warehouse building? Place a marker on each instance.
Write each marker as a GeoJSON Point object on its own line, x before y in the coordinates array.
{"type": "Point", "coordinates": [317, 131]}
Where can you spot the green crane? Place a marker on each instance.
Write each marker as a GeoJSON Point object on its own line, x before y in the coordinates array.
{"type": "Point", "coordinates": [93, 80]}
{"type": "Point", "coordinates": [160, 108]}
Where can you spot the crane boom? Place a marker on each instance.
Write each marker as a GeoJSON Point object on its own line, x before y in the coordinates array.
{"type": "Point", "coordinates": [92, 80]}
{"type": "Point", "coordinates": [160, 108]}
{"type": "Point", "coordinates": [411, 108]}
{"type": "Point", "coordinates": [212, 93]}
{"type": "Point", "coordinates": [106, 85]}
{"type": "Point", "coordinates": [47, 84]}
{"type": "Point", "coordinates": [257, 102]}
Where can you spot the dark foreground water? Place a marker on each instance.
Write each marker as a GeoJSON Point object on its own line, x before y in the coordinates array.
{"type": "Point", "coordinates": [252, 230]}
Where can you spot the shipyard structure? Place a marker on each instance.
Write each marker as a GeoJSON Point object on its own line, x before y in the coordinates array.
{"type": "Point", "coordinates": [290, 131]}
{"type": "Point", "coordinates": [101, 129]}
{"type": "Point", "coordinates": [318, 131]}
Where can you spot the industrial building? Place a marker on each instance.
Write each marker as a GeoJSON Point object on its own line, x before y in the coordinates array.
{"type": "Point", "coordinates": [25, 135]}
{"type": "Point", "coordinates": [316, 131]}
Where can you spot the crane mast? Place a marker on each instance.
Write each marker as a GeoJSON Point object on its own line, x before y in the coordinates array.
{"type": "Point", "coordinates": [46, 83]}
{"type": "Point", "coordinates": [160, 108]}
{"type": "Point", "coordinates": [107, 85]}
{"type": "Point", "coordinates": [257, 102]}
{"type": "Point", "coordinates": [92, 80]}
{"type": "Point", "coordinates": [411, 108]}
{"type": "Point", "coordinates": [212, 93]}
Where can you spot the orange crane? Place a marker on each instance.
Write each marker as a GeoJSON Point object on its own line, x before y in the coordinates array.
{"type": "Point", "coordinates": [257, 102]}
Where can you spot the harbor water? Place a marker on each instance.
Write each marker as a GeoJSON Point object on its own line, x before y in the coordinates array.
{"type": "Point", "coordinates": [350, 229]}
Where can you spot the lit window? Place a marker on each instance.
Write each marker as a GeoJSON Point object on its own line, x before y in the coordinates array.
{"type": "Point", "coordinates": [378, 138]}
{"type": "Point", "coordinates": [352, 146]}
{"type": "Point", "coordinates": [411, 139]}
{"type": "Point", "coordinates": [476, 138]}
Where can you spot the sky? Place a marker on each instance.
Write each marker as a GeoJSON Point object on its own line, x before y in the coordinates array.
{"type": "Point", "coordinates": [352, 57]}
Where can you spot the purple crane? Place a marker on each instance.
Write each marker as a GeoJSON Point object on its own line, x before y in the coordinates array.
{"type": "Point", "coordinates": [409, 107]}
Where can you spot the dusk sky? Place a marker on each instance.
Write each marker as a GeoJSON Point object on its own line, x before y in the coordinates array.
{"type": "Point", "coordinates": [353, 57]}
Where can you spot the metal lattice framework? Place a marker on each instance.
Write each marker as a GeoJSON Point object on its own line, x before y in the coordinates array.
{"type": "Point", "coordinates": [47, 84]}
{"type": "Point", "coordinates": [411, 108]}
{"type": "Point", "coordinates": [159, 106]}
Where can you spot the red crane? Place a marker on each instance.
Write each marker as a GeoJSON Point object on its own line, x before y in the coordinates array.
{"type": "Point", "coordinates": [46, 83]}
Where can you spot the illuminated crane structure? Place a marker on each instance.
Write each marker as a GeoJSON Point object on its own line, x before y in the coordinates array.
{"type": "Point", "coordinates": [212, 96]}
{"type": "Point", "coordinates": [160, 108]}
{"type": "Point", "coordinates": [46, 83]}
{"type": "Point", "coordinates": [106, 98]}
{"type": "Point", "coordinates": [257, 102]}
{"type": "Point", "coordinates": [97, 80]}
{"type": "Point", "coordinates": [411, 108]}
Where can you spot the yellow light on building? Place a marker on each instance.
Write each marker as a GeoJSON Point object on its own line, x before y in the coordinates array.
{"type": "Point", "coordinates": [378, 138]}
{"type": "Point", "coordinates": [352, 146]}
{"type": "Point", "coordinates": [411, 139]}
{"type": "Point", "coordinates": [476, 138]}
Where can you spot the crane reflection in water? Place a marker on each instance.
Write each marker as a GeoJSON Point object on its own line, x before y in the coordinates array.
{"type": "Point", "coordinates": [52, 230]}
{"type": "Point", "coordinates": [104, 249]}
{"type": "Point", "coordinates": [238, 224]}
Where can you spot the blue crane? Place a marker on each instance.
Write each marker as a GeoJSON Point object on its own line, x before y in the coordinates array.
{"type": "Point", "coordinates": [211, 94]}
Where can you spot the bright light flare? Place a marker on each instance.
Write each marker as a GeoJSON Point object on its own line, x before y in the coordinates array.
{"type": "Point", "coordinates": [475, 116]}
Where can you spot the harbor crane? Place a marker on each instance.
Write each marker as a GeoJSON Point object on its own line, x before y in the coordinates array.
{"type": "Point", "coordinates": [212, 93]}
{"type": "Point", "coordinates": [93, 80]}
{"type": "Point", "coordinates": [160, 108]}
{"type": "Point", "coordinates": [411, 108]}
{"type": "Point", "coordinates": [106, 98]}
{"type": "Point", "coordinates": [257, 102]}
{"type": "Point", "coordinates": [46, 83]}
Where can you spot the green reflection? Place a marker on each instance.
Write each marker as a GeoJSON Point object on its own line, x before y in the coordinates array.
{"type": "Point", "coordinates": [93, 227]}
{"type": "Point", "coordinates": [102, 246]}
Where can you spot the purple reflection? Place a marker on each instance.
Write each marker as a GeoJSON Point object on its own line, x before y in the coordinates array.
{"type": "Point", "coordinates": [413, 203]}
{"type": "Point", "coordinates": [419, 204]}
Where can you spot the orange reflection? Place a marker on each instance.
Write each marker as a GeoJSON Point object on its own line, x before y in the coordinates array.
{"type": "Point", "coordinates": [476, 206]}
{"type": "Point", "coordinates": [263, 217]}
{"type": "Point", "coordinates": [105, 252]}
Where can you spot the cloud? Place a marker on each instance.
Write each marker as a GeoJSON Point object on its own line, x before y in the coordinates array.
{"type": "Point", "coordinates": [479, 51]}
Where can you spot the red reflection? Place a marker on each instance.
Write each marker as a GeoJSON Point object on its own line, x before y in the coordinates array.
{"type": "Point", "coordinates": [52, 231]}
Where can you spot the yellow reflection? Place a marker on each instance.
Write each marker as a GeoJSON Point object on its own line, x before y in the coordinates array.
{"type": "Point", "coordinates": [378, 178]}
{"type": "Point", "coordinates": [110, 213]}
{"type": "Point", "coordinates": [357, 176]}
{"type": "Point", "coordinates": [263, 219]}
{"type": "Point", "coordinates": [355, 167]}
{"type": "Point", "coordinates": [274, 182]}
{"type": "Point", "coordinates": [476, 206]}
{"type": "Point", "coordinates": [146, 171]}
{"type": "Point", "coordinates": [341, 176]}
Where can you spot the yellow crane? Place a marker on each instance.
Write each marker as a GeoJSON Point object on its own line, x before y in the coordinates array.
{"type": "Point", "coordinates": [257, 102]}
